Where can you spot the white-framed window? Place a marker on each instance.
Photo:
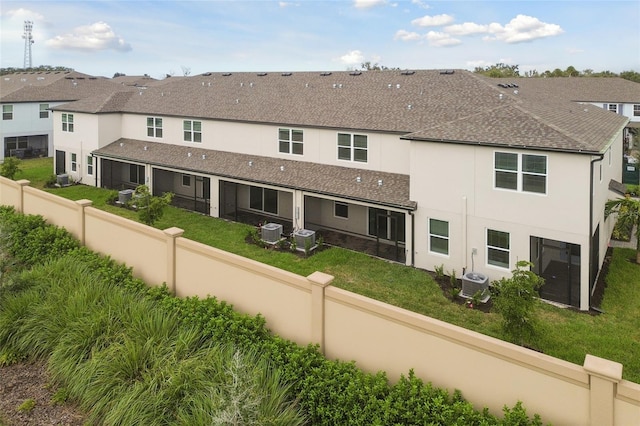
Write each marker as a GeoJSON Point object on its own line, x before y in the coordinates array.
{"type": "Point", "coordinates": [352, 147]}
{"type": "Point", "coordinates": [74, 162]}
{"type": "Point", "coordinates": [263, 199]}
{"type": "Point", "coordinates": [636, 110]}
{"type": "Point", "coordinates": [89, 165]}
{"type": "Point", "coordinates": [612, 107]}
{"type": "Point", "coordinates": [192, 130]}
{"type": "Point", "coordinates": [7, 112]}
{"type": "Point", "coordinates": [520, 172]}
{"type": "Point", "coordinates": [154, 127]}
{"type": "Point", "coordinates": [290, 141]}
{"type": "Point", "coordinates": [439, 236]}
{"type": "Point", "coordinates": [67, 122]}
{"type": "Point", "coordinates": [44, 110]}
{"type": "Point", "coordinates": [498, 248]}
{"type": "Point", "coordinates": [186, 180]}
{"type": "Point", "coordinates": [341, 210]}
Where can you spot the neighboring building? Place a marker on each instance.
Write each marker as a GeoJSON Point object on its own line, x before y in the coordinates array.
{"type": "Point", "coordinates": [447, 166]}
{"type": "Point", "coordinates": [26, 98]}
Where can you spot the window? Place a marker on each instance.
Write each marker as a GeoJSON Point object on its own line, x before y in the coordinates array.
{"type": "Point", "coordinates": [386, 224]}
{"type": "Point", "coordinates": [154, 127]}
{"type": "Point", "coordinates": [636, 110]}
{"type": "Point", "coordinates": [44, 110]}
{"type": "Point", "coordinates": [439, 236]}
{"type": "Point", "coordinates": [290, 141]}
{"type": "Point", "coordinates": [498, 248]}
{"type": "Point", "coordinates": [186, 180]}
{"type": "Point", "coordinates": [192, 130]}
{"type": "Point", "coordinates": [521, 172]}
{"type": "Point", "coordinates": [67, 122]}
{"type": "Point", "coordinates": [263, 199]}
{"type": "Point", "coordinates": [613, 107]}
{"type": "Point", "coordinates": [90, 165]}
{"type": "Point", "coordinates": [7, 112]}
{"type": "Point", "coordinates": [136, 174]}
{"type": "Point", "coordinates": [352, 147]}
{"type": "Point", "coordinates": [74, 163]}
{"type": "Point", "coordinates": [341, 210]}
{"type": "Point", "coordinates": [18, 142]}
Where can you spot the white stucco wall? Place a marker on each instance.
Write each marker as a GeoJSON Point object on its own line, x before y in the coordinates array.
{"type": "Point", "coordinates": [26, 121]}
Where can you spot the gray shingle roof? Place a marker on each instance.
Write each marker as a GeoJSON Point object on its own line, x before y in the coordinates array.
{"type": "Point", "coordinates": [317, 178]}
{"type": "Point", "coordinates": [423, 104]}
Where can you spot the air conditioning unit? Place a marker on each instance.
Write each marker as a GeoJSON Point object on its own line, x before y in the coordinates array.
{"type": "Point", "coordinates": [271, 232]}
{"type": "Point", "coordinates": [124, 196]}
{"type": "Point", "coordinates": [62, 180]}
{"type": "Point", "coordinates": [473, 282]}
{"type": "Point", "coordinates": [305, 238]}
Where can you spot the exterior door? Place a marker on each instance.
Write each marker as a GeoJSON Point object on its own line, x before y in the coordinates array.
{"type": "Point", "coordinates": [558, 263]}
{"type": "Point", "coordinates": [60, 162]}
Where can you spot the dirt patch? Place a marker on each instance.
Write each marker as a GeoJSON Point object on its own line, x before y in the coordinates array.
{"type": "Point", "coordinates": [25, 381]}
{"type": "Point", "coordinates": [447, 290]}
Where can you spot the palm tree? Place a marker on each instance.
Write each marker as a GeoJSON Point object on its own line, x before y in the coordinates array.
{"type": "Point", "coordinates": [627, 210]}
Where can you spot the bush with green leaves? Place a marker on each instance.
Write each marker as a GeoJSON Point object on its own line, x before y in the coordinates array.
{"type": "Point", "coordinates": [150, 207]}
{"type": "Point", "coordinates": [515, 300]}
{"type": "Point", "coordinates": [10, 167]}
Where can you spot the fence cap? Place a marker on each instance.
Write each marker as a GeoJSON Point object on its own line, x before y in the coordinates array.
{"type": "Point", "coordinates": [603, 368]}
{"type": "Point", "coordinates": [320, 278]}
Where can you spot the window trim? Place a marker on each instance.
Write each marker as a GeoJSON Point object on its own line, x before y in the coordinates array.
{"type": "Point", "coordinates": [7, 114]}
{"type": "Point", "coordinates": [489, 248]}
{"type": "Point", "coordinates": [290, 141]}
{"type": "Point", "coordinates": [155, 127]}
{"type": "Point", "coordinates": [74, 162]}
{"type": "Point", "coordinates": [612, 108]}
{"type": "Point", "coordinates": [44, 111]}
{"type": "Point", "coordinates": [636, 110]}
{"type": "Point", "coordinates": [335, 210]}
{"type": "Point", "coordinates": [353, 149]}
{"type": "Point", "coordinates": [89, 165]}
{"type": "Point", "coordinates": [445, 238]}
{"type": "Point", "coordinates": [183, 180]}
{"type": "Point", "coordinates": [262, 199]}
{"type": "Point", "coordinates": [520, 173]}
{"type": "Point", "coordinates": [67, 122]}
{"type": "Point", "coordinates": [193, 134]}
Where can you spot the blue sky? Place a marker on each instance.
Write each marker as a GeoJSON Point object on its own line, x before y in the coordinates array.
{"type": "Point", "coordinates": [173, 37]}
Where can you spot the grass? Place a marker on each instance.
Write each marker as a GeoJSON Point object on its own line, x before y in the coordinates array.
{"type": "Point", "coordinates": [565, 334]}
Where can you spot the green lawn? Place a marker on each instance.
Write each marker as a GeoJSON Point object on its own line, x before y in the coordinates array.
{"type": "Point", "coordinates": [566, 334]}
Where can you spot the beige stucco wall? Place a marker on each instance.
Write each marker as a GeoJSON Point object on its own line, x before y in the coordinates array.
{"type": "Point", "coordinates": [283, 298]}
{"type": "Point", "coordinates": [11, 192]}
{"type": "Point", "coordinates": [386, 152]}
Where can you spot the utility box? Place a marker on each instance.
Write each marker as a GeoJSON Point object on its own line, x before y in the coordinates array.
{"type": "Point", "coordinates": [473, 282]}
{"type": "Point", "coordinates": [305, 238]}
{"type": "Point", "coordinates": [124, 196]}
{"type": "Point", "coordinates": [271, 232]}
{"type": "Point", "coordinates": [62, 180]}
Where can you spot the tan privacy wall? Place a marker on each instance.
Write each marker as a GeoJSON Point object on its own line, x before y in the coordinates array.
{"type": "Point", "coordinates": [347, 326]}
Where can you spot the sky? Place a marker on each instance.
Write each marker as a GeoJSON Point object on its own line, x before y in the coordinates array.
{"type": "Point", "coordinates": [160, 38]}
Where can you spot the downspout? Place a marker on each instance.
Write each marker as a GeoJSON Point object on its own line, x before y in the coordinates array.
{"type": "Point", "coordinates": [95, 167]}
{"type": "Point", "coordinates": [413, 239]}
{"type": "Point", "coordinates": [464, 237]}
{"type": "Point", "coordinates": [591, 186]}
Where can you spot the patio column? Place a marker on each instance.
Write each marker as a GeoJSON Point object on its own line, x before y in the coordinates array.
{"type": "Point", "coordinates": [319, 281]}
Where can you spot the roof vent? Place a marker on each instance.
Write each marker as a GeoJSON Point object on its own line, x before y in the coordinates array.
{"type": "Point", "coordinates": [355, 73]}
{"type": "Point", "coordinates": [324, 74]}
{"type": "Point", "coordinates": [261, 74]}
{"type": "Point", "coordinates": [447, 72]}
{"type": "Point", "coordinates": [286, 74]}
{"type": "Point", "coordinates": [206, 74]}
{"type": "Point", "coordinates": [407, 72]}
{"type": "Point", "coordinates": [226, 74]}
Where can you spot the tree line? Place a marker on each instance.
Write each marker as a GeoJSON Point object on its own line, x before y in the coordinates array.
{"type": "Point", "coordinates": [505, 70]}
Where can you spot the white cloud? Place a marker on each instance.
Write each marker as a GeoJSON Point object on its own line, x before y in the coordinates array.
{"type": "Point", "coordinates": [523, 28]}
{"type": "Point", "coordinates": [366, 4]}
{"type": "Point", "coordinates": [467, 28]}
{"type": "Point", "coordinates": [574, 51]}
{"type": "Point", "coordinates": [284, 4]}
{"type": "Point", "coordinates": [420, 4]}
{"type": "Point", "coordinates": [355, 57]}
{"type": "Point", "coordinates": [432, 21]}
{"type": "Point", "coordinates": [23, 14]}
{"type": "Point", "coordinates": [407, 36]}
{"type": "Point", "coordinates": [97, 36]}
{"type": "Point", "coordinates": [439, 39]}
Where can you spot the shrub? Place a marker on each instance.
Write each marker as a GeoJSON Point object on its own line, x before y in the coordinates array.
{"type": "Point", "coordinates": [10, 167]}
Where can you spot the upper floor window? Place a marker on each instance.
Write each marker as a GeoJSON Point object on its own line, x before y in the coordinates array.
{"type": "Point", "coordinates": [44, 110]}
{"type": "Point", "coordinates": [352, 147]}
{"type": "Point", "coordinates": [192, 130]}
{"type": "Point", "coordinates": [636, 110]}
{"type": "Point", "coordinates": [521, 172]}
{"type": "Point", "coordinates": [67, 122]}
{"type": "Point", "coordinates": [154, 127]}
{"type": "Point", "coordinates": [498, 248]}
{"type": "Point", "coordinates": [290, 141]}
{"type": "Point", "coordinates": [439, 236]}
{"type": "Point", "coordinates": [613, 108]}
{"type": "Point", "coordinates": [7, 112]}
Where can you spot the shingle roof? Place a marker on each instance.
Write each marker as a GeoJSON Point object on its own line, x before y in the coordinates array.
{"type": "Point", "coordinates": [313, 177]}
{"type": "Point", "coordinates": [424, 105]}
{"type": "Point", "coordinates": [65, 86]}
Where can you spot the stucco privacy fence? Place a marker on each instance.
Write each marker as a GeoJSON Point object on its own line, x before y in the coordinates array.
{"type": "Point", "coordinates": [348, 326]}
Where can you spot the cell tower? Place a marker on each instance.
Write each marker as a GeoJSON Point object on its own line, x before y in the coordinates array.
{"type": "Point", "coordinates": [28, 41]}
